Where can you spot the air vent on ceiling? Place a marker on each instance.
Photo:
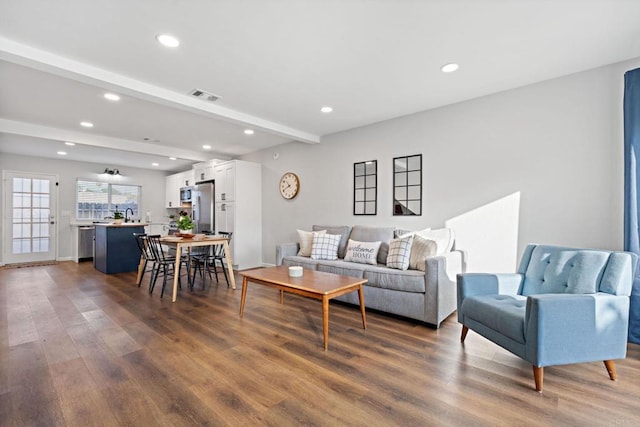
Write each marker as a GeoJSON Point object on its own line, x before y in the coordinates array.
{"type": "Point", "coordinates": [205, 96]}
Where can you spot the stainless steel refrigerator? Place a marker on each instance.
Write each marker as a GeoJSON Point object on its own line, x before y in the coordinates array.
{"type": "Point", "coordinates": [203, 207]}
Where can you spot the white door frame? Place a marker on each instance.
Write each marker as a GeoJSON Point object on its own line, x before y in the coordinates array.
{"type": "Point", "coordinates": [6, 235]}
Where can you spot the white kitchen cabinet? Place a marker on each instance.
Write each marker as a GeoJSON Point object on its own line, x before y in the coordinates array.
{"type": "Point", "coordinates": [241, 211]}
{"type": "Point", "coordinates": [225, 176]}
{"type": "Point", "coordinates": [187, 178]}
{"type": "Point", "coordinates": [204, 171]}
{"type": "Point", "coordinates": [225, 221]}
{"type": "Point", "coordinates": [157, 228]}
{"type": "Point", "coordinates": [173, 184]}
{"type": "Point", "coordinates": [172, 191]}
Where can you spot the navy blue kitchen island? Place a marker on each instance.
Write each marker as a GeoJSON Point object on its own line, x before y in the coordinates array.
{"type": "Point", "coordinates": [116, 250]}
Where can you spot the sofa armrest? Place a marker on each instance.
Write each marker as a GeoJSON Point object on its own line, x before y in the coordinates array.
{"type": "Point", "coordinates": [575, 328]}
{"type": "Point", "coordinates": [440, 285]}
{"type": "Point", "coordinates": [472, 284]}
{"type": "Point", "coordinates": [286, 249]}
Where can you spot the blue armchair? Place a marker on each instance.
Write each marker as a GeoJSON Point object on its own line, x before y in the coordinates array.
{"type": "Point", "coordinates": [563, 306]}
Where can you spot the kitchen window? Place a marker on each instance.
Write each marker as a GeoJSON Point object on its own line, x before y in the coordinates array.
{"type": "Point", "coordinates": [98, 200]}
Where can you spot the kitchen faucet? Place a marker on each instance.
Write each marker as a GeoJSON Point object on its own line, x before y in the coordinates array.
{"type": "Point", "coordinates": [126, 218]}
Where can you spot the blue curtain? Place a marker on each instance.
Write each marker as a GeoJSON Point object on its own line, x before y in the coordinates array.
{"type": "Point", "coordinates": [631, 182]}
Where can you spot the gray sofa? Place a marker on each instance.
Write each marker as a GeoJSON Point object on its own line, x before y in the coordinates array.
{"type": "Point", "coordinates": [428, 296]}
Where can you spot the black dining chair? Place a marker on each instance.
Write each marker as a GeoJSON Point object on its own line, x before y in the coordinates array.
{"type": "Point", "coordinates": [209, 259]}
{"type": "Point", "coordinates": [162, 263]}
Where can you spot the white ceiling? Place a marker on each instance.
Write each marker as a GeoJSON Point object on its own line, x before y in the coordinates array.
{"type": "Point", "coordinates": [274, 63]}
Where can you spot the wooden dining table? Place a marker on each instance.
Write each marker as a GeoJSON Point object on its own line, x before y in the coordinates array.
{"type": "Point", "coordinates": [181, 242]}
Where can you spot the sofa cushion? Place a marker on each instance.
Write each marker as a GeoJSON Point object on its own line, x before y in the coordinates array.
{"type": "Point", "coordinates": [367, 233]}
{"type": "Point", "coordinates": [403, 232]}
{"type": "Point", "coordinates": [381, 276]}
{"type": "Point", "coordinates": [362, 252]}
{"type": "Point", "coordinates": [400, 252]}
{"type": "Point", "coordinates": [344, 268]}
{"type": "Point", "coordinates": [305, 238]}
{"type": "Point", "coordinates": [342, 230]}
{"type": "Point", "coordinates": [501, 313]}
{"type": "Point", "coordinates": [301, 261]}
{"type": "Point", "coordinates": [560, 270]}
{"type": "Point", "coordinates": [325, 246]}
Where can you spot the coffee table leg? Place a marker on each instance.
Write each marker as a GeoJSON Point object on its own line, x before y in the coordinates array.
{"type": "Point", "coordinates": [243, 297]}
{"type": "Point", "coordinates": [325, 321]}
{"type": "Point", "coordinates": [364, 316]}
{"type": "Point", "coordinates": [281, 297]}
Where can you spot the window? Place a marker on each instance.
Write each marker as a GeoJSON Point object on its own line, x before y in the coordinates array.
{"type": "Point", "coordinates": [98, 200]}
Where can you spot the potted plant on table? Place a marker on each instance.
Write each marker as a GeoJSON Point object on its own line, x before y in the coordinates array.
{"type": "Point", "coordinates": [185, 224]}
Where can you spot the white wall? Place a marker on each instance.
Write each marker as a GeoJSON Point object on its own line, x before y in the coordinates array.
{"type": "Point", "coordinates": [542, 163]}
{"type": "Point", "coordinates": [68, 171]}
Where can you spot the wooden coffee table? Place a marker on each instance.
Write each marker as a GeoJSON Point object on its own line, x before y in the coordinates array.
{"type": "Point", "coordinates": [312, 284]}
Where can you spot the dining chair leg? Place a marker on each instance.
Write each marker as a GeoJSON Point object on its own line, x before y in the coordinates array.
{"type": "Point", "coordinates": [224, 270]}
{"type": "Point", "coordinates": [215, 269]}
{"type": "Point", "coordinates": [164, 279]}
{"type": "Point", "coordinates": [154, 276]}
{"type": "Point", "coordinates": [144, 270]}
{"type": "Point", "coordinates": [193, 277]}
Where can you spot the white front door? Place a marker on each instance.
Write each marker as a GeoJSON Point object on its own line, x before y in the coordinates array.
{"type": "Point", "coordinates": [29, 231]}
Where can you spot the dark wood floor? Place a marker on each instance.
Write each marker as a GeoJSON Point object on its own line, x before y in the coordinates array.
{"type": "Point", "coordinates": [80, 348]}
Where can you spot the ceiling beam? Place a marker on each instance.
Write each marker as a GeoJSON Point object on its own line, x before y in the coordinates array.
{"type": "Point", "coordinates": [57, 134]}
{"type": "Point", "coordinates": [42, 60]}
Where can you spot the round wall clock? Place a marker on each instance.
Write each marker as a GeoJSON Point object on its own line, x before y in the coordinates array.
{"type": "Point", "coordinates": [289, 185]}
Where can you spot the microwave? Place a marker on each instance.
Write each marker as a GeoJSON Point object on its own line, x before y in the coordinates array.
{"type": "Point", "coordinates": [185, 194]}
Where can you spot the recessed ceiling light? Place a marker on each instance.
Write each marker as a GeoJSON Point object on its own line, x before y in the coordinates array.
{"type": "Point", "coordinates": [326, 109]}
{"type": "Point", "coordinates": [172, 158]}
{"type": "Point", "coordinates": [168, 40]}
{"type": "Point", "coordinates": [86, 124]}
{"type": "Point", "coordinates": [449, 68]}
{"type": "Point", "coordinates": [70, 144]}
{"type": "Point", "coordinates": [62, 153]}
{"type": "Point", "coordinates": [112, 97]}
{"type": "Point", "coordinates": [155, 164]}
{"type": "Point", "coordinates": [206, 147]}
{"type": "Point", "coordinates": [248, 131]}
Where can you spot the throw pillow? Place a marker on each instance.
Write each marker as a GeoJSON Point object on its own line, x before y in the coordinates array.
{"type": "Point", "coordinates": [444, 238]}
{"type": "Point", "coordinates": [400, 252]}
{"type": "Point", "coordinates": [306, 239]}
{"type": "Point", "coordinates": [368, 233]}
{"type": "Point", "coordinates": [325, 246]}
{"type": "Point", "coordinates": [420, 250]}
{"type": "Point", "coordinates": [342, 230]}
{"type": "Point", "coordinates": [362, 252]}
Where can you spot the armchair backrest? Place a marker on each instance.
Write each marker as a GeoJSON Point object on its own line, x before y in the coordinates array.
{"type": "Point", "coordinates": [555, 269]}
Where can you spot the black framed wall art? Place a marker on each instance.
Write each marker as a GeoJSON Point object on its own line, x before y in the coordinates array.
{"type": "Point", "coordinates": [365, 188]}
{"type": "Point", "coordinates": [407, 185]}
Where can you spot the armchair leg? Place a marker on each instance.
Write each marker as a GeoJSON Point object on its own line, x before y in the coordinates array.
{"type": "Point", "coordinates": [464, 333]}
{"type": "Point", "coordinates": [611, 369]}
{"type": "Point", "coordinates": [538, 377]}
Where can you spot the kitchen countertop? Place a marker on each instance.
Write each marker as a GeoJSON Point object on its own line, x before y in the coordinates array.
{"type": "Point", "coordinates": [108, 224]}
{"type": "Point", "coordinates": [124, 224]}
